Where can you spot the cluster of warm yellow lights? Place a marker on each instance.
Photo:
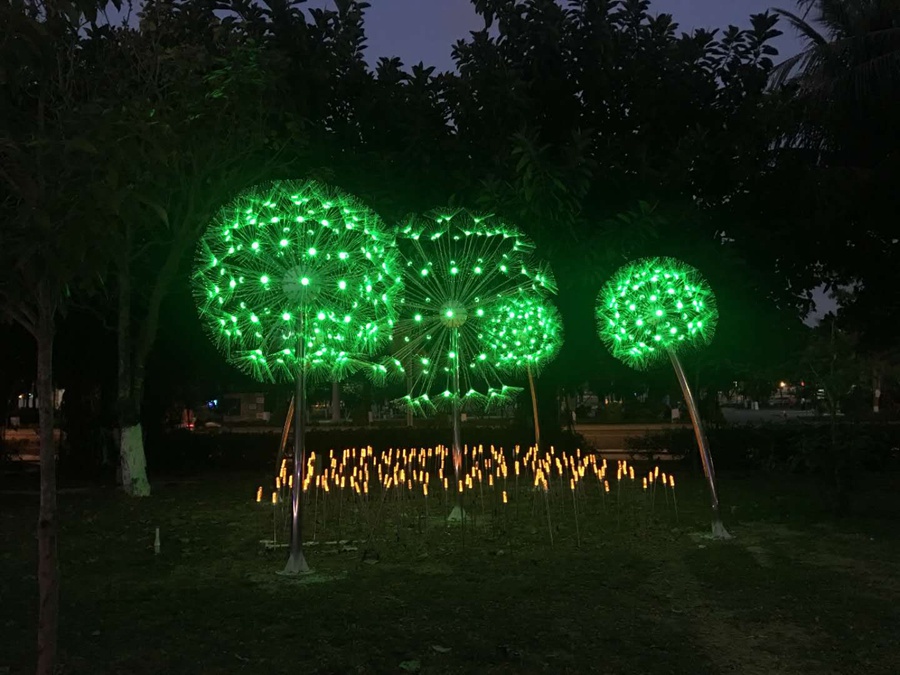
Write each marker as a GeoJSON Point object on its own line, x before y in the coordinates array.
{"type": "Point", "coordinates": [422, 471]}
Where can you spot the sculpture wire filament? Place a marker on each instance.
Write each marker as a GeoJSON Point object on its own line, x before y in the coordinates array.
{"type": "Point", "coordinates": [652, 306]}
{"type": "Point", "coordinates": [296, 260]}
{"type": "Point", "coordinates": [460, 268]}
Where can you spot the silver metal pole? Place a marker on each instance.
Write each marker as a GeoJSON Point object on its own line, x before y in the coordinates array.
{"type": "Point", "coordinates": [534, 410]}
{"type": "Point", "coordinates": [457, 514]}
{"type": "Point", "coordinates": [457, 431]}
{"type": "Point", "coordinates": [296, 563]}
{"type": "Point", "coordinates": [718, 529]}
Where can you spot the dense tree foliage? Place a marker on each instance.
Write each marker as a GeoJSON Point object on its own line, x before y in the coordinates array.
{"type": "Point", "coordinates": [596, 125]}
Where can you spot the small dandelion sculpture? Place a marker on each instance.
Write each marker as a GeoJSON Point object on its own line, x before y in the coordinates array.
{"type": "Point", "coordinates": [459, 268]}
{"type": "Point", "coordinates": [652, 309]}
{"type": "Point", "coordinates": [295, 279]}
{"type": "Point", "coordinates": [523, 335]}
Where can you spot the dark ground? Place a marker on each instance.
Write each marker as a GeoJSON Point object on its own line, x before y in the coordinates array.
{"type": "Point", "coordinates": [795, 592]}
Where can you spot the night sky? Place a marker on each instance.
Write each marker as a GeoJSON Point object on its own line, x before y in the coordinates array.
{"type": "Point", "coordinates": [425, 30]}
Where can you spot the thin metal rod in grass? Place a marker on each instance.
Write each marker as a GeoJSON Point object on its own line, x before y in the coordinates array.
{"type": "Point", "coordinates": [575, 506]}
{"type": "Point", "coordinates": [674, 499]}
{"type": "Point", "coordinates": [384, 492]}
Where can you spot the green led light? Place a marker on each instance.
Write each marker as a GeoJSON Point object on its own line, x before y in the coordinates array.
{"type": "Point", "coordinates": [652, 289]}
{"type": "Point", "coordinates": [525, 332]}
{"type": "Point", "coordinates": [466, 260]}
{"type": "Point", "coordinates": [343, 315]}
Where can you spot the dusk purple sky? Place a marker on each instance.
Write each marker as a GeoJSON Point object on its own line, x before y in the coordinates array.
{"type": "Point", "coordinates": [425, 30]}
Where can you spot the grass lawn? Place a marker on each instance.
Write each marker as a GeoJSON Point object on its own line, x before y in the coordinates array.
{"type": "Point", "coordinates": [794, 592]}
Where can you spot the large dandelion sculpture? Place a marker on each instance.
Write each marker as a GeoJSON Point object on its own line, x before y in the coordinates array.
{"type": "Point", "coordinates": [295, 279]}
{"type": "Point", "coordinates": [523, 335]}
{"type": "Point", "coordinates": [459, 269]}
{"type": "Point", "coordinates": [651, 310]}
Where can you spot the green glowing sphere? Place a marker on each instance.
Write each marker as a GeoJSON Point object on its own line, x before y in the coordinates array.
{"type": "Point", "coordinates": [652, 306]}
{"type": "Point", "coordinates": [524, 333]}
{"type": "Point", "coordinates": [460, 268]}
{"type": "Point", "coordinates": [293, 263]}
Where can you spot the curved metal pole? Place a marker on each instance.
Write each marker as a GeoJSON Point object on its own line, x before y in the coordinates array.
{"type": "Point", "coordinates": [285, 430]}
{"type": "Point", "coordinates": [534, 410]}
{"type": "Point", "coordinates": [296, 563]}
{"type": "Point", "coordinates": [718, 529]}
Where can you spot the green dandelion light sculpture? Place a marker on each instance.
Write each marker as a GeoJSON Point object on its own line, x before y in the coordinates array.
{"type": "Point", "coordinates": [651, 310]}
{"type": "Point", "coordinates": [459, 268]}
{"type": "Point", "coordinates": [295, 279]}
{"type": "Point", "coordinates": [653, 306]}
{"type": "Point", "coordinates": [296, 276]}
{"type": "Point", "coordinates": [523, 335]}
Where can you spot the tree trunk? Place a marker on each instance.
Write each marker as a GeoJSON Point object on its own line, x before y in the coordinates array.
{"type": "Point", "coordinates": [48, 566]}
{"type": "Point", "coordinates": [132, 460]}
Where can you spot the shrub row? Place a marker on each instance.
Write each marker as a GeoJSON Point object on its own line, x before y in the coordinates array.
{"type": "Point", "coordinates": [795, 448]}
{"type": "Point", "coordinates": [190, 452]}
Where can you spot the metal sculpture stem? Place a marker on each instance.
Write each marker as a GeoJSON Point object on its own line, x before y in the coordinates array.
{"type": "Point", "coordinates": [718, 529]}
{"type": "Point", "coordinates": [457, 514]}
{"type": "Point", "coordinates": [534, 410]}
{"type": "Point", "coordinates": [457, 422]}
{"type": "Point", "coordinates": [285, 430]}
{"type": "Point", "coordinates": [296, 563]}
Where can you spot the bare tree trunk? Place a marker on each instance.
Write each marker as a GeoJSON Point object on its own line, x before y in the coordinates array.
{"type": "Point", "coordinates": [48, 564]}
{"type": "Point", "coordinates": [130, 390]}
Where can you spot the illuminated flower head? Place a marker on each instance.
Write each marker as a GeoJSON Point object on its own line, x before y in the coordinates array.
{"type": "Point", "coordinates": [460, 267]}
{"type": "Point", "coordinates": [654, 305]}
{"type": "Point", "coordinates": [524, 333]}
{"type": "Point", "coordinates": [293, 261]}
